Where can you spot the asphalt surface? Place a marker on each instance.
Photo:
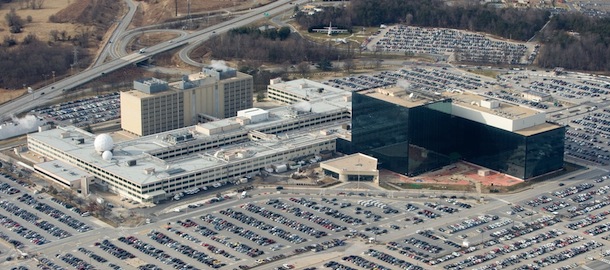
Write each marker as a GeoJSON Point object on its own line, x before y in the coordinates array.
{"type": "Point", "coordinates": [163, 215]}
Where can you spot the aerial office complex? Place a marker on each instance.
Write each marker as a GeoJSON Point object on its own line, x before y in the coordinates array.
{"type": "Point", "coordinates": [411, 133]}
{"type": "Point", "coordinates": [156, 167]}
{"type": "Point", "coordinates": [155, 106]}
{"type": "Point", "coordinates": [406, 131]}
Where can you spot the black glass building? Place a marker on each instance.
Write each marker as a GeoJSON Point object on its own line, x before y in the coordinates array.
{"type": "Point", "coordinates": [415, 137]}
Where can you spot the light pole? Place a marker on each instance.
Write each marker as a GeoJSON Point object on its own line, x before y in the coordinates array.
{"type": "Point", "coordinates": [359, 165]}
{"type": "Point", "coordinates": [30, 90]}
{"type": "Point", "coordinates": [53, 75]}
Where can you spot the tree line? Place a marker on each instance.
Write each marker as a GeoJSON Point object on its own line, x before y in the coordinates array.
{"type": "Point", "coordinates": [255, 46]}
{"type": "Point", "coordinates": [576, 41]}
{"type": "Point", "coordinates": [518, 24]}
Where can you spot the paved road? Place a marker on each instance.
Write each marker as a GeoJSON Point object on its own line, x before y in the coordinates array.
{"type": "Point", "coordinates": [118, 31]}
{"type": "Point", "coordinates": [49, 93]}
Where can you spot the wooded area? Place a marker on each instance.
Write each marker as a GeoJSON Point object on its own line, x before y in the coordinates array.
{"type": "Point", "coordinates": [261, 46]}
{"type": "Point", "coordinates": [577, 42]}
{"type": "Point", "coordinates": [34, 61]}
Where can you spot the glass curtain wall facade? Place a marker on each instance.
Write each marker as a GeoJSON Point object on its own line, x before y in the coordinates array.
{"type": "Point", "coordinates": [415, 140]}
{"type": "Point", "coordinates": [381, 129]}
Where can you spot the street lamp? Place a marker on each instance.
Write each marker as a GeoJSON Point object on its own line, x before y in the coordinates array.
{"type": "Point", "coordinates": [31, 91]}
{"type": "Point", "coordinates": [53, 75]}
{"type": "Point", "coordinates": [359, 165]}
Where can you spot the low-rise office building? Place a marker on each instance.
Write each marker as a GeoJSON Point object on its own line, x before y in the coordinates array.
{"type": "Point", "coordinates": [352, 168]}
{"type": "Point", "coordinates": [295, 91]}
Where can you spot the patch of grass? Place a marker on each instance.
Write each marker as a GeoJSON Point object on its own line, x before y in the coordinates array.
{"type": "Point", "coordinates": [484, 72]}
{"type": "Point", "coordinates": [386, 186]}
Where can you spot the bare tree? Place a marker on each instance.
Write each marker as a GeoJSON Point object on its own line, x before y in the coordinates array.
{"type": "Point", "coordinates": [349, 65]}
{"type": "Point", "coordinates": [37, 4]}
{"type": "Point", "coordinates": [54, 35]}
{"type": "Point", "coordinates": [303, 68]}
{"type": "Point", "coordinates": [14, 21]}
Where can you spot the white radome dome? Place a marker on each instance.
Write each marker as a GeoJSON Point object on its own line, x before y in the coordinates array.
{"type": "Point", "coordinates": [107, 155]}
{"type": "Point", "coordinates": [103, 142]}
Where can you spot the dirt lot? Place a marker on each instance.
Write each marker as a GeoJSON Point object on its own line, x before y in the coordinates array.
{"type": "Point", "coordinates": [151, 12]}
{"type": "Point", "coordinates": [6, 95]}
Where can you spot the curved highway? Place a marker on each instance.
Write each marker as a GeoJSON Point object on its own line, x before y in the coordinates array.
{"type": "Point", "coordinates": [49, 93]}
{"type": "Point", "coordinates": [118, 31]}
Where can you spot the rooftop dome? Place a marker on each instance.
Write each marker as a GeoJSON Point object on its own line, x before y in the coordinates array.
{"type": "Point", "coordinates": [103, 142]}
{"type": "Point", "coordinates": [107, 155]}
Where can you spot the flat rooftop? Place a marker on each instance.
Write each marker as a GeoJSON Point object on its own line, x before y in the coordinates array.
{"type": "Point", "coordinates": [63, 170]}
{"type": "Point", "coordinates": [66, 139]}
{"type": "Point", "coordinates": [309, 89]}
{"type": "Point", "coordinates": [400, 96]}
{"type": "Point", "coordinates": [137, 149]}
{"type": "Point", "coordinates": [354, 162]}
{"type": "Point", "coordinates": [410, 99]}
{"type": "Point", "coordinates": [506, 110]}
{"type": "Point", "coordinates": [537, 129]}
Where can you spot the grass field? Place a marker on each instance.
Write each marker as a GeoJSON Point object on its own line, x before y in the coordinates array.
{"type": "Point", "coordinates": [40, 25]}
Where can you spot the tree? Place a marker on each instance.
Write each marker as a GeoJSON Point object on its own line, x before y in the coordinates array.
{"type": "Point", "coordinates": [14, 21]}
{"type": "Point", "coordinates": [9, 41]}
{"type": "Point", "coordinates": [324, 65]}
{"type": "Point", "coordinates": [349, 65]}
{"type": "Point", "coordinates": [54, 35]}
{"type": "Point", "coordinates": [284, 32]}
{"type": "Point", "coordinates": [30, 38]}
{"type": "Point", "coordinates": [303, 68]}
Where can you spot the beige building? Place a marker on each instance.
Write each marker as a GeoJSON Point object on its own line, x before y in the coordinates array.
{"type": "Point", "coordinates": [353, 168]}
{"type": "Point", "coordinates": [155, 106]}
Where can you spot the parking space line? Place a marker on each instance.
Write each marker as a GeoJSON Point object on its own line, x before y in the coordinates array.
{"type": "Point", "coordinates": [604, 260]}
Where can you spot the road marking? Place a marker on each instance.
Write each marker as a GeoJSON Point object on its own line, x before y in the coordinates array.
{"type": "Point", "coordinates": [604, 260]}
{"type": "Point", "coordinates": [502, 200]}
{"type": "Point", "coordinates": [586, 267]}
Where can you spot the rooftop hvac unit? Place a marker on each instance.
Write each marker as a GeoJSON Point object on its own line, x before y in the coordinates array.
{"type": "Point", "coordinates": [149, 170]}
{"type": "Point", "coordinates": [131, 163]}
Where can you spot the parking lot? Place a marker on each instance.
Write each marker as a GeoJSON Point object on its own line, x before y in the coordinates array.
{"type": "Point", "coordinates": [28, 220]}
{"type": "Point", "coordinates": [82, 112]}
{"type": "Point", "coordinates": [558, 228]}
{"type": "Point", "coordinates": [462, 45]}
